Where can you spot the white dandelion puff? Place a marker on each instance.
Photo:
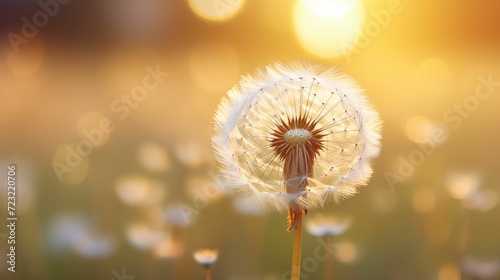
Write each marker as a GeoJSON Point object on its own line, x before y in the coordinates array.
{"type": "Point", "coordinates": [321, 225]}
{"type": "Point", "coordinates": [295, 137]}
{"type": "Point", "coordinates": [206, 256]}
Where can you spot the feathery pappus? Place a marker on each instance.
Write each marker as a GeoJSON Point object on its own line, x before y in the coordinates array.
{"type": "Point", "coordinates": [294, 137]}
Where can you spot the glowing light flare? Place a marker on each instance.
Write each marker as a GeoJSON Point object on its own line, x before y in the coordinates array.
{"type": "Point", "coordinates": [480, 268]}
{"type": "Point", "coordinates": [216, 10]}
{"type": "Point", "coordinates": [420, 129]}
{"type": "Point", "coordinates": [482, 200]}
{"type": "Point", "coordinates": [142, 236]}
{"type": "Point", "coordinates": [331, 9]}
{"type": "Point", "coordinates": [167, 247]}
{"type": "Point", "coordinates": [132, 190]}
{"type": "Point", "coordinates": [137, 190]}
{"type": "Point", "coordinates": [346, 252]}
{"type": "Point", "coordinates": [175, 216]}
{"type": "Point", "coordinates": [75, 232]}
{"type": "Point", "coordinates": [328, 28]}
{"type": "Point", "coordinates": [462, 185]}
{"type": "Point", "coordinates": [192, 153]}
{"type": "Point", "coordinates": [65, 230]}
{"type": "Point", "coordinates": [91, 246]}
{"type": "Point", "coordinates": [153, 157]}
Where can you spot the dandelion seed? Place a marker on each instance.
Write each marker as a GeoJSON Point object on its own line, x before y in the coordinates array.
{"type": "Point", "coordinates": [327, 227]}
{"type": "Point", "coordinates": [206, 258]}
{"type": "Point", "coordinates": [296, 137]}
{"type": "Point", "coordinates": [321, 225]}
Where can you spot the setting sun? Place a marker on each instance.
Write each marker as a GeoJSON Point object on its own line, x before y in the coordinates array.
{"type": "Point", "coordinates": [328, 28]}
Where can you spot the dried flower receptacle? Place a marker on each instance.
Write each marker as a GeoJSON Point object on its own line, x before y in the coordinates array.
{"type": "Point", "coordinates": [296, 142]}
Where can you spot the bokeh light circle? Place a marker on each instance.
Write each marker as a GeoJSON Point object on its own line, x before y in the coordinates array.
{"type": "Point", "coordinates": [346, 252]}
{"type": "Point", "coordinates": [328, 28]}
{"type": "Point", "coordinates": [420, 129]}
{"type": "Point", "coordinates": [216, 10]}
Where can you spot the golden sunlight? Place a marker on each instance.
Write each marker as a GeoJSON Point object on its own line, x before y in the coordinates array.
{"type": "Point", "coordinates": [218, 10]}
{"type": "Point", "coordinates": [328, 28]}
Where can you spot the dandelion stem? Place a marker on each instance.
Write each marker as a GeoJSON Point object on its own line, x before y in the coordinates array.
{"type": "Point", "coordinates": [208, 272]}
{"type": "Point", "coordinates": [329, 260]}
{"type": "Point", "coordinates": [297, 249]}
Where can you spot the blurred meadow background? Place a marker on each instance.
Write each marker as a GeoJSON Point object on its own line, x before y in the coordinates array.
{"type": "Point", "coordinates": [106, 110]}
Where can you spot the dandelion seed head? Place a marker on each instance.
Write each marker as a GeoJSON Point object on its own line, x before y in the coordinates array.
{"type": "Point", "coordinates": [300, 134]}
{"type": "Point", "coordinates": [206, 256]}
{"type": "Point", "coordinates": [321, 225]}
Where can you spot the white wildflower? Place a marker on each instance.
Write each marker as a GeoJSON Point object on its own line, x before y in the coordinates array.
{"type": "Point", "coordinates": [295, 137]}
